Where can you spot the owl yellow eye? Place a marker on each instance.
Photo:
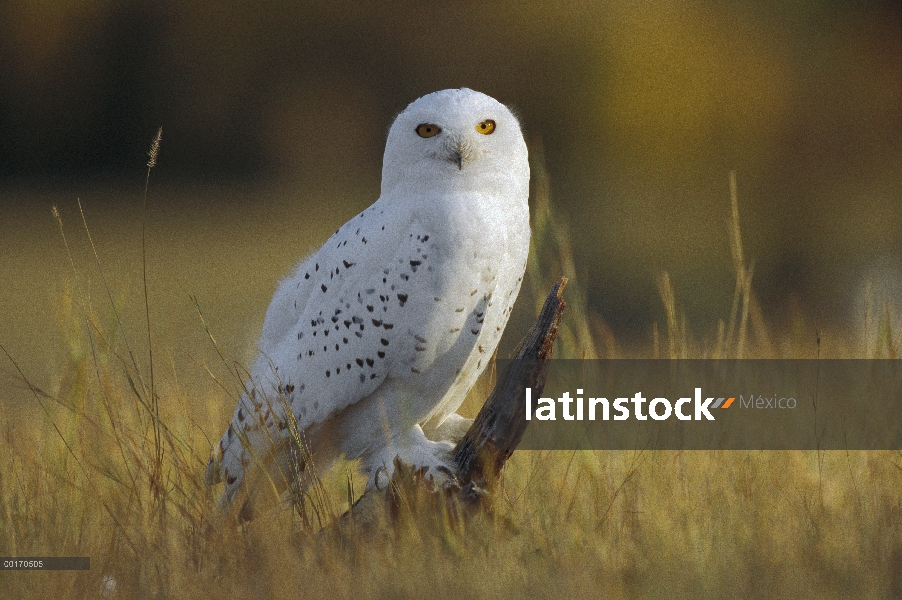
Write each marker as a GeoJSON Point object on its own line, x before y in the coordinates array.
{"type": "Point", "coordinates": [427, 130]}
{"type": "Point", "coordinates": [486, 127]}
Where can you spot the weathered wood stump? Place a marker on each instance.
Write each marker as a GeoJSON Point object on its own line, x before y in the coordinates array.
{"type": "Point", "coordinates": [481, 453]}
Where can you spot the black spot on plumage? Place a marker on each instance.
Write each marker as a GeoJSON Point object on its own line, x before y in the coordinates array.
{"type": "Point", "coordinates": [326, 333]}
{"type": "Point", "coordinates": [317, 266]}
{"type": "Point", "coordinates": [373, 376]}
{"type": "Point", "coordinates": [231, 480]}
{"type": "Point", "coordinates": [334, 319]}
{"type": "Point", "coordinates": [314, 333]}
{"type": "Point", "coordinates": [419, 338]}
{"type": "Point", "coordinates": [338, 370]}
{"type": "Point", "coordinates": [384, 341]}
{"type": "Point", "coordinates": [300, 334]}
{"type": "Point", "coordinates": [309, 352]}
{"type": "Point", "coordinates": [388, 326]}
{"type": "Point", "coordinates": [347, 324]}
{"type": "Point", "coordinates": [363, 240]}
{"type": "Point", "coordinates": [414, 264]}
{"type": "Point", "coordinates": [323, 287]}
{"type": "Point", "coordinates": [420, 348]}
{"type": "Point", "coordinates": [425, 238]}
{"type": "Point", "coordinates": [347, 264]}
{"type": "Point", "coordinates": [362, 378]}
{"type": "Point", "coordinates": [359, 362]}
{"type": "Point", "coordinates": [381, 297]}
{"type": "Point", "coordinates": [369, 362]}
{"type": "Point", "coordinates": [405, 276]}
{"type": "Point", "coordinates": [289, 388]}
{"type": "Point", "coordinates": [358, 334]}
{"type": "Point", "coordinates": [313, 323]}
{"type": "Point", "coordinates": [417, 371]}
{"type": "Point", "coordinates": [344, 340]}
{"type": "Point", "coordinates": [402, 298]}
{"type": "Point", "coordinates": [328, 373]}
{"type": "Point", "coordinates": [380, 354]}
{"type": "Point", "coordinates": [474, 331]}
{"type": "Point", "coordinates": [377, 323]}
{"type": "Point", "coordinates": [306, 275]}
{"type": "Point", "coordinates": [369, 307]}
{"type": "Point", "coordinates": [324, 348]}
{"type": "Point", "coordinates": [336, 346]}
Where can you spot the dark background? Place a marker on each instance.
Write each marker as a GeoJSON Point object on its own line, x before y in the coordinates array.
{"type": "Point", "coordinates": [274, 116]}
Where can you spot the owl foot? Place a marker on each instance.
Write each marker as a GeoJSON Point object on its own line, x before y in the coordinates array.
{"type": "Point", "coordinates": [415, 450]}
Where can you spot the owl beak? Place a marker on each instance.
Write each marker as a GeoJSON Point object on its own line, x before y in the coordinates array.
{"type": "Point", "coordinates": [459, 152]}
{"type": "Point", "coordinates": [457, 158]}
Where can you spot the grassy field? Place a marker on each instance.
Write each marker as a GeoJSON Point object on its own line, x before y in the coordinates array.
{"type": "Point", "coordinates": [111, 467]}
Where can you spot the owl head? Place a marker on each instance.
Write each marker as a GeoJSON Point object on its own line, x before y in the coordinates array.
{"type": "Point", "coordinates": [455, 140]}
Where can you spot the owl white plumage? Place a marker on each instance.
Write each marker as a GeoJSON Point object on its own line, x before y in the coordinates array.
{"type": "Point", "coordinates": [390, 323]}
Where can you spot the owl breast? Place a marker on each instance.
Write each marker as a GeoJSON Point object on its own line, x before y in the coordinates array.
{"type": "Point", "coordinates": [477, 255]}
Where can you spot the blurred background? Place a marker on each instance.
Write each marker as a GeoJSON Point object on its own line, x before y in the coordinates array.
{"type": "Point", "coordinates": [274, 117]}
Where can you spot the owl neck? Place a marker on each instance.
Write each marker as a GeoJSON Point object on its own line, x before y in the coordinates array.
{"type": "Point", "coordinates": [505, 184]}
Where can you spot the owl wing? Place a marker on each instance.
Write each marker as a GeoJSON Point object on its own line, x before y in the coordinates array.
{"type": "Point", "coordinates": [369, 306]}
{"type": "Point", "coordinates": [373, 305]}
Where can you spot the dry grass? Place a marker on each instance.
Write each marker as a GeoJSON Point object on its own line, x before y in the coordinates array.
{"type": "Point", "coordinates": [113, 469]}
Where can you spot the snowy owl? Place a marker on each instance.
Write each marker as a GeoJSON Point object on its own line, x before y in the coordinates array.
{"type": "Point", "coordinates": [386, 328]}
